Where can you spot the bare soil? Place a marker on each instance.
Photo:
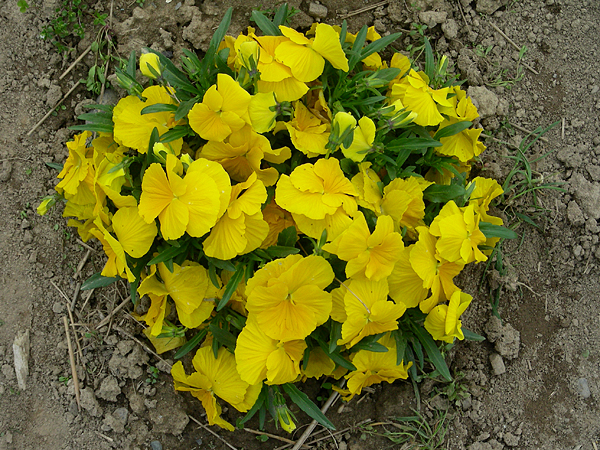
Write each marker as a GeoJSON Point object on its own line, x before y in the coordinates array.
{"type": "Point", "coordinates": [548, 338]}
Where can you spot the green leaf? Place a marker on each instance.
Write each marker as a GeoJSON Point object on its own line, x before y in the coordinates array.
{"type": "Point", "coordinates": [439, 193]}
{"type": "Point", "coordinates": [277, 251]}
{"type": "Point", "coordinates": [281, 15]}
{"type": "Point", "coordinates": [173, 134]}
{"type": "Point", "coordinates": [159, 107]}
{"type": "Point", "coordinates": [357, 50]}
{"type": "Point", "coordinates": [288, 237]}
{"type": "Point", "coordinates": [191, 344]}
{"type": "Point", "coordinates": [131, 65]}
{"type": "Point", "coordinates": [223, 336]}
{"type": "Point", "coordinates": [99, 117]}
{"type": "Point", "coordinates": [491, 230]}
{"type": "Point", "coordinates": [265, 25]}
{"type": "Point", "coordinates": [429, 60]}
{"type": "Point", "coordinates": [378, 45]}
{"type": "Point", "coordinates": [401, 344]}
{"type": "Point", "coordinates": [306, 405]}
{"type": "Point", "coordinates": [221, 264]}
{"type": "Point", "coordinates": [184, 108]}
{"type": "Point", "coordinates": [232, 285]}
{"type": "Point", "coordinates": [432, 351]}
{"type": "Point", "coordinates": [412, 143]}
{"type": "Point", "coordinates": [98, 127]}
{"type": "Point", "coordinates": [453, 129]}
{"type": "Point", "coordinates": [257, 405]}
{"type": "Point", "coordinates": [471, 336]}
{"type": "Point", "coordinates": [168, 254]}
{"type": "Point", "coordinates": [97, 281]}
{"type": "Point", "coordinates": [55, 166]}
{"type": "Point", "coordinates": [370, 344]}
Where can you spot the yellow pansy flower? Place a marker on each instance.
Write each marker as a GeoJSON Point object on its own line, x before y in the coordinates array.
{"type": "Point", "coordinates": [464, 145]}
{"type": "Point", "coordinates": [189, 287]}
{"type": "Point", "coordinates": [133, 129]}
{"type": "Point", "coordinates": [224, 109]}
{"type": "Point", "coordinates": [368, 310]}
{"type": "Point", "coordinates": [458, 233]}
{"type": "Point", "coordinates": [260, 357]}
{"type": "Point", "coordinates": [403, 201]}
{"type": "Point", "coordinates": [292, 303]}
{"type": "Point", "coordinates": [307, 132]}
{"type": "Point", "coordinates": [78, 166]}
{"type": "Point", "coordinates": [367, 184]}
{"type": "Point", "coordinates": [243, 154]}
{"type": "Point", "coordinates": [486, 190]}
{"type": "Point", "coordinates": [436, 272]}
{"type": "Point", "coordinates": [442, 321]}
{"type": "Point", "coordinates": [193, 203]}
{"type": "Point", "coordinates": [216, 377]}
{"type": "Point", "coordinates": [242, 228]}
{"type": "Point", "coordinates": [370, 255]}
{"type": "Point", "coordinates": [306, 57]}
{"type": "Point", "coordinates": [319, 196]}
{"type": "Point", "coordinates": [116, 266]}
{"type": "Point", "coordinates": [375, 367]}
{"type": "Point", "coordinates": [274, 75]}
{"type": "Point", "coordinates": [405, 284]}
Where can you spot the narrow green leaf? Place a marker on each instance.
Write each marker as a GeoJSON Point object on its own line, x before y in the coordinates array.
{"type": "Point", "coordinates": [173, 134]}
{"type": "Point", "coordinates": [220, 264]}
{"type": "Point", "coordinates": [184, 108]}
{"type": "Point", "coordinates": [232, 285]}
{"type": "Point", "coordinates": [281, 15]}
{"type": "Point", "coordinates": [453, 129]}
{"type": "Point", "coordinates": [378, 45]}
{"type": "Point", "coordinates": [288, 237]}
{"type": "Point", "coordinates": [223, 336]}
{"type": "Point", "coordinates": [429, 60]}
{"type": "Point", "coordinates": [401, 343]}
{"type": "Point", "coordinates": [102, 117]}
{"type": "Point", "coordinates": [432, 351]}
{"type": "Point", "coordinates": [335, 334]}
{"type": "Point", "coordinates": [159, 107]}
{"type": "Point", "coordinates": [191, 344]}
{"type": "Point", "coordinates": [306, 405]}
{"type": "Point", "coordinates": [370, 344]}
{"type": "Point", "coordinates": [98, 127]}
{"type": "Point", "coordinates": [260, 401]}
{"type": "Point", "coordinates": [472, 336]}
{"type": "Point", "coordinates": [357, 50]}
{"type": "Point", "coordinates": [265, 25]}
{"type": "Point", "coordinates": [411, 144]}
{"type": "Point", "coordinates": [491, 230]}
{"type": "Point", "coordinates": [55, 166]}
{"type": "Point", "coordinates": [97, 281]}
{"type": "Point", "coordinates": [131, 65]}
{"type": "Point", "coordinates": [277, 251]}
{"type": "Point", "coordinates": [167, 254]}
{"type": "Point", "coordinates": [439, 193]}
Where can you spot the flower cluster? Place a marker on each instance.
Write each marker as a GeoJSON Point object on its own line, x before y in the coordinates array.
{"type": "Point", "coordinates": [298, 204]}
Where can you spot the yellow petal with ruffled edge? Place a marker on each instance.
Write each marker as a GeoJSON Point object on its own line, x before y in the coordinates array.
{"type": "Point", "coordinates": [226, 239]}
{"type": "Point", "coordinates": [305, 63]}
{"type": "Point", "coordinates": [252, 350]}
{"type": "Point", "coordinates": [327, 44]}
{"type": "Point", "coordinates": [135, 235]}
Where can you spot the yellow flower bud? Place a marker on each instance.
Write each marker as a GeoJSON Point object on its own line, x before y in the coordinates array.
{"type": "Point", "coordinates": [150, 60]}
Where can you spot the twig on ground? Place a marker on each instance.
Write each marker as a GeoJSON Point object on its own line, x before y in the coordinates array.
{"type": "Point", "coordinates": [463, 16]}
{"type": "Point", "coordinates": [75, 295]}
{"type": "Point", "coordinates": [213, 433]}
{"type": "Point", "coordinates": [86, 51]}
{"type": "Point", "coordinates": [81, 264]}
{"type": "Point", "coordinates": [144, 346]}
{"type": "Point", "coordinates": [499, 141]}
{"type": "Point", "coordinates": [525, 130]}
{"type": "Point", "coordinates": [79, 352]}
{"type": "Point", "coordinates": [43, 119]}
{"type": "Point", "coordinates": [80, 242]}
{"type": "Point", "coordinates": [109, 439]}
{"type": "Point", "coordinates": [364, 9]}
{"type": "Point", "coordinates": [112, 313]}
{"type": "Point", "coordinates": [87, 299]}
{"type": "Point", "coordinates": [332, 398]}
{"type": "Point", "coordinates": [511, 42]}
{"type": "Point", "coordinates": [274, 436]}
{"type": "Point", "coordinates": [72, 361]}
{"type": "Point", "coordinates": [562, 132]}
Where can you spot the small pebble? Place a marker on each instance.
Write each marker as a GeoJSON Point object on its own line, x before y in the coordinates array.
{"type": "Point", "coordinates": [583, 388]}
{"type": "Point", "coordinates": [497, 364]}
{"type": "Point", "coordinates": [155, 445]}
